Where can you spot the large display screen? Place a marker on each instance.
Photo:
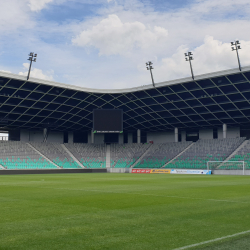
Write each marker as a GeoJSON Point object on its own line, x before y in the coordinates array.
{"type": "Point", "coordinates": [108, 120]}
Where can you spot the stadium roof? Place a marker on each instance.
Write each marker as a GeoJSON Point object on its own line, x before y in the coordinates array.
{"type": "Point", "coordinates": [208, 101]}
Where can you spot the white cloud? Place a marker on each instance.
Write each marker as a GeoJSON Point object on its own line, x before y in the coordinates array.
{"type": "Point", "coordinates": [135, 34]}
{"type": "Point", "coordinates": [37, 73]}
{"type": "Point", "coordinates": [111, 36]}
{"type": "Point", "coordinates": [213, 55]}
{"type": "Point", "coordinates": [37, 5]}
{"type": "Point", "coordinates": [5, 71]}
{"type": "Point", "coordinates": [14, 14]}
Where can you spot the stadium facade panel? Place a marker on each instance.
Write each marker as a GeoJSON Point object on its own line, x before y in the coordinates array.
{"type": "Point", "coordinates": [206, 102]}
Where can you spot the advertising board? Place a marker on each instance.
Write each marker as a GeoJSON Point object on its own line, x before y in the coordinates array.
{"type": "Point", "coordinates": [160, 171]}
{"type": "Point", "coordinates": [141, 171]}
{"type": "Point", "coordinates": [171, 171]}
{"type": "Point", "coordinates": [190, 171]}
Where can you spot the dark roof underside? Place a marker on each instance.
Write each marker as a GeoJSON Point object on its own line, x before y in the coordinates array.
{"type": "Point", "coordinates": [204, 103]}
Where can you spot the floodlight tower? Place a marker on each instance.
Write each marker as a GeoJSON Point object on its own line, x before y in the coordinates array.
{"type": "Point", "coordinates": [189, 57]}
{"type": "Point", "coordinates": [149, 67]}
{"type": "Point", "coordinates": [32, 58]}
{"type": "Point", "coordinates": [236, 46]}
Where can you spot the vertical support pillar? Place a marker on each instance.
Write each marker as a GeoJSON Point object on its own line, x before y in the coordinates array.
{"type": "Point", "coordinates": [224, 131]}
{"type": "Point", "coordinates": [176, 134]}
{"type": "Point", "coordinates": [121, 138]}
{"type": "Point", "coordinates": [138, 136]}
{"type": "Point", "coordinates": [89, 136]}
{"type": "Point", "coordinates": [92, 136]}
{"type": "Point", "coordinates": [130, 138]}
{"type": "Point", "coordinates": [183, 135]}
{"type": "Point", "coordinates": [70, 137]}
{"type": "Point", "coordinates": [45, 134]}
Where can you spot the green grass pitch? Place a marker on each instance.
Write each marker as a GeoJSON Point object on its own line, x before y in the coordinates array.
{"type": "Point", "coordinates": [123, 211]}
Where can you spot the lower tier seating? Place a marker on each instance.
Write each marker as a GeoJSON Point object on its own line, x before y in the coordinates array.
{"type": "Point", "coordinates": [159, 154]}
{"type": "Point", "coordinates": [18, 155]}
{"type": "Point", "coordinates": [242, 155]}
{"type": "Point", "coordinates": [125, 155]}
{"type": "Point", "coordinates": [56, 154]}
{"type": "Point", "coordinates": [197, 156]}
{"type": "Point", "coordinates": [90, 155]}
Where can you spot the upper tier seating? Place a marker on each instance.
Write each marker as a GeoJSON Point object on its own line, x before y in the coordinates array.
{"type": "Point", "coordinates": [19, 155]}
{"type": "Point", "coordinates": [55, 153]}
{"type": "Point", "coordinates": [90, 155]}
{"type": "Point", "coordinates": [159, 154]}
{"type": "Point", "coordinates": [125, 155]}
{"type": "Point", "coordinates": [203, 151]}
{"type": "Point", "coordinates": [242, 155]}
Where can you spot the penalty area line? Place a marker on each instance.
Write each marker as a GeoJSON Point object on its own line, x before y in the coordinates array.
{"type": "Point", "coordinates": [211, 241]}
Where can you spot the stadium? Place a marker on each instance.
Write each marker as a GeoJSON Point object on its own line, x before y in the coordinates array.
{"type": "Point", "coordinates": [99, 151]}
{"type": "Point", "coordinates": [182, 124]}
{"type": "Point", "coordinates": [151, 151]}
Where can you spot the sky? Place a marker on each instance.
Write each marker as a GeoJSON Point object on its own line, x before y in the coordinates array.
{"type": "Point", "coordinates": [104, 44]}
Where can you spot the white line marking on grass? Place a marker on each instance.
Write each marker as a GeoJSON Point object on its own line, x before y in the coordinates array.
{"type": "Point", "coordinates": [214, 240]}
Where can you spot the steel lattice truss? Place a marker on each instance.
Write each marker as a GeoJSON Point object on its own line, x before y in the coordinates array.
{"type": "Point", "coordinates": [208, 101]}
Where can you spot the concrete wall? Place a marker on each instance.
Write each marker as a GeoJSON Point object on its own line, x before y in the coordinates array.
{"type": "Point", "coordinates": [54, 136]}
{"type": "Point", "coordinates": [183, 135]}
{"type": "Point", "coordinates": [130, 138]}
{"type": "Point", "coordinates": [118, 170]}
{"type": "Point", "coordinates": [24, 135]}
{"type": "Point", "coordinates": [37, 136]}
{"type": "Point", "coordinates": [231, 133]}
{"type": "Point", "coordinates": [121, 139]}
{"type": "Point", "coordinates": [89, 137]}
{"type": "Point", "coordinates": [70, 137]}
{"type": "Point", "coordinates": [99, 138]}
{"type": "Point", "coordinates": [230, 172]}
{"type": "Point", "coordinates": [161, 137]}
{"type": "Point", "coordinates": [206, 134]}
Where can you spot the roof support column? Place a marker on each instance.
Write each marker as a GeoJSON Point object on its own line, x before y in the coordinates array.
{"type": "Point", "coordinates": [138, 136]}
{"type": "Point", "coordinates": [121, 138]}
{"type": "Point", "coordinates": [92, 136]}
{"type": "Point", "coordinates": [130, 138]}
{"type": "Point", "coordinates": [176, 134]}
{"type": "Point", "coordinates": [224, 131]}
{"type": "Point", "coordinates": [45, 134]}
{"type": "Point", "coordinates": [183, 135]}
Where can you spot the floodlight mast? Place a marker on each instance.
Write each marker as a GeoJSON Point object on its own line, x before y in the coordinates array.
{"type": "Point", "coordinates": [149, 67]}
{"type": "Point", "coordinates": [32, 58]}
{"type": "Point", "coordinates": [236, 46]}
{"type": "Point", "coordinates": [189, 57]}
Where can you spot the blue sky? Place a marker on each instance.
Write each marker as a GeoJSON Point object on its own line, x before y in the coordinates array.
{"type": "Point", "coordinates": [105, 43]}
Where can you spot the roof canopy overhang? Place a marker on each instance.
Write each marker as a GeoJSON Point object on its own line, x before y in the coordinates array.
{"type": "Point", "coordinates": [208, 101]}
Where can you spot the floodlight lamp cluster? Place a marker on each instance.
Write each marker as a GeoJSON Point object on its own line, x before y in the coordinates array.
{"type": "Point", "coordinates": [32, 58]}
{"type": "Point", "coordinates": [189, 56]}
{"type": "Point", "coordinates": [149, 65]}
{"type": "Point", "coordinates": [235, 47]}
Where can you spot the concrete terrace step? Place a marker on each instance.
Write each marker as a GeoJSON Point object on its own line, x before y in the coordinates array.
{"type": "Point", "coordinates": [189, 146]}
{"type": "Point", "coordinates": [2, 167]}
{"type": "Point", "coordinates": [43, 155]}
{"type": "Point", "coordinates": [141, 156]}
{"type": "Point", "coordinates": [234, 153]}
{"type": "Point", "coordinates": [72, 156]}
